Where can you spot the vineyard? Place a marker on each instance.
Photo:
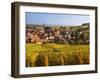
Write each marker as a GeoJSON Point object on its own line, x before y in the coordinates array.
{"type": "Point", "coordinates": [52, 54]}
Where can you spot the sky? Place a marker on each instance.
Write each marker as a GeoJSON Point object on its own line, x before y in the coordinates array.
{"type": "Point", "coordinates": [56, 19]}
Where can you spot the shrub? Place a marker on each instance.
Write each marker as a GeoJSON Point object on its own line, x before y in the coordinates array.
{"type": "Point", "coordinates": [42, 60]}
{"type": "Point", "coordinates": [30, 59]}
{"type": "Point", "coordinates": [86, 58]}
{"type": "Point", "coordinates": [46, 61]}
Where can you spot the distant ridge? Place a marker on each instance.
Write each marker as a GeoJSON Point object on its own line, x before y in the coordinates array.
{"type": "Point", "coordinates": [51, 25]}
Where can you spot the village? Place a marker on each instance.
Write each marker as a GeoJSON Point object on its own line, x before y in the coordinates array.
{"type": "Point", "coordinates": [42, 34]}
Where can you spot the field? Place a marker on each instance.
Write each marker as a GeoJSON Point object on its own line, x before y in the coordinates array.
{"type": "Point", "coordinates": [52, 54]}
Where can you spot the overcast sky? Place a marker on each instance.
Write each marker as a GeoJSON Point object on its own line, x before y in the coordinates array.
{"type": "Point", "coordinates": [56, 19]}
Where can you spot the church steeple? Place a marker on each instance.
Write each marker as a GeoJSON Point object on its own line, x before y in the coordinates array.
{"type": "Point", "coordinates": [44, 25]}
